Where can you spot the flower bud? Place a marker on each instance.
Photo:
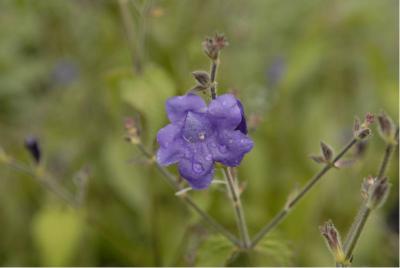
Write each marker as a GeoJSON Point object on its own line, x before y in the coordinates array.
{"type": "Point", "coordinates": [327, 151]}
{"type": "Point", "coordinates": [33, 147]}
{"type": "Point", "coordinates": [378, 193]}
{"type": "Point", "coordinates": [212, 45]}
{"type": "Point", "coordinates": [202, 77]}
{"type": "Point", "coordinates": [365, 187]}
{"type": "Point", "coordinates": [369, 119]}
{"type": "Point", "coordinates": [333, 241]}
{"type": "Point", "coordinates": [387, 128]}
{"type": "Point", "coordinates": [363, 133]}
{"type": "Point", "coordinates": [132, 131]}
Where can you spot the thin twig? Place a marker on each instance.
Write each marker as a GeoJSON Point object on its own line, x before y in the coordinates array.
{"type": "Point", "coordinates": [129, 23]}
{"type": "Point", "coordinates": [388, 152]}
{"type": "Point", "coordinates": [46, 182]}
{"type": "Point", "coordinates": [171, 179]}
{"type": "Point", "coordinates": [213, 75]}
{"type": "Point", "coordinates": [363, 212]}
{"type": "Point", "coordinates": [237, 205]}
{"type": "Point", "coordinates": [282, 214]}
{"type": "Point", "coordinates": [356, 230]}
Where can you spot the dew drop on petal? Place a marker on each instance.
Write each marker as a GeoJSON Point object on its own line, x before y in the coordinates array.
{"type": "Point", "coordinates": [198, 168]}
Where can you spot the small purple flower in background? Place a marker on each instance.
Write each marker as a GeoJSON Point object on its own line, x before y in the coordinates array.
{"type": "Point", "coordinates": [275, 71]}
{"type": "Point", "coordinates": [64, 72]}
{"type": "Point", "coordinates": [199, 136]}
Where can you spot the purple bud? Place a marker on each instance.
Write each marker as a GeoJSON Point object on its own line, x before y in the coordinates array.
{"type": "Point", "coordinates": [386, 127]}
{"type": "Point", "coordinates": [212, 45]}
{"type": "Point", "coordinates": [363, 133]}
{"type": "Point", "coordinates": [378, 193]}
{"type": "Point", "coordinates": [33, 147]}
{"type": "Point", "coordinates": [333, 241]}
{"type": "Point", "coordinates": [369, 119]}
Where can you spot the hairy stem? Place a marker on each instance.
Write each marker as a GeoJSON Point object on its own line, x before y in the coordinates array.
{"type": "Point", "coordinates": [283, 213]}
{"type": "Point", "coordinates": [237, 204]}
{"type": "Point", "coordinates": [135, 41]}
{"type": "Point", "coordinates": [363, 212]}
{"type": "Point", "coordinates": [47, 183]}
{"type": "Point", "coordinates": [213, 75]}
{"type": "Point", "coordinates": [356, 229]}
{"type": "Point", "coordinates": [171, 179]}
{"type": "Point", "coordinates": [388, 153]}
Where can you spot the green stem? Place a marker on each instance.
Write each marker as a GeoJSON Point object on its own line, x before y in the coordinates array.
{"type": "Point", "coordinates": [283, 213]}
{"type": "Point", "coordinates": [47, 183]}
{"type": "Point", "coordinates": [356, 230]}
{"type": "Point", "coordinates": [171, 179]}
{"type": "Point", "coordinates": [213, 75]}
{"type": "Point", "coordinates": [363, 212]}
{"type": "Point", "coordinates": [237, 205]}
{"type": "Point", "coordinates": [135, 41]}
{"type": "Point", "coordinates": [385, 161]}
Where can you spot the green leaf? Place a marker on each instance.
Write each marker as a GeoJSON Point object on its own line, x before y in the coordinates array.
{"type": "Point", "coordinates": [147, 93]}
{"type": "Point", "coordinates": [214, 251]}
{"type": "Point", "coordinates": [128, 180]}
{"type": "Point", "coordinates": [273, 250]}
{"type": "Point", "coordinates": [56, 233]}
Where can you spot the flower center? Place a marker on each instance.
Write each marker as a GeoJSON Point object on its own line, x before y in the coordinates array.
{"type": "Point", "coordinates": [197, 127]}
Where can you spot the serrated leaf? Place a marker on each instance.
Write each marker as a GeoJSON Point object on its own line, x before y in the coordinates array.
{"type": "Point", "coordinates": [214, 251]}
{"type": "Point", "coordinates": [273, 250]}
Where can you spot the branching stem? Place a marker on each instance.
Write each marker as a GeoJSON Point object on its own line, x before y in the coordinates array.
{"type": "Point", "coordinates": [171, 179]}
{"type": "Point", "coordinates": [234, 195]}
{"type": "Point", "coordinates": [363, 212]}
{"type": "Point", "coordinates": [283, 213]}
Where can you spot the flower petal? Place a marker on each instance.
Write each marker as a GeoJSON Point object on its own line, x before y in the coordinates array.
{"type": "Point", "coordinates": [170, 145]}
{"type": "Point", "coordinates": [229, 147]}
{"type": "Point", "coordinates": [168, 134]}
{"type": "Point", "coordinates": [168, 156]}
{"type": "Point", "coordinates": [242, 125]}
{"type": "Point", "coordinates": [177, 107]}
{"type": "Point", "coordinates": [197, 166]}
{"type": "Point", "coordinates": [224, 112]}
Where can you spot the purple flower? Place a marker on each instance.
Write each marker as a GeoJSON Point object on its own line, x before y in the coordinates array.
{"type": "Point", "coordinates": [199, 136]}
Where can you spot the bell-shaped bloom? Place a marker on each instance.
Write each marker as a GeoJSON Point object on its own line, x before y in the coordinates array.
{"type": "Point", "coordinates": [199, 136]}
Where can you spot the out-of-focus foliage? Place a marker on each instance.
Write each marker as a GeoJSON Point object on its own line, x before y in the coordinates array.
{"type": "Point", "coordinates": [305, 67]}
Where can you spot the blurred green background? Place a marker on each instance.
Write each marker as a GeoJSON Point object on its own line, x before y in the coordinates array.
{"type": "Point", "coordinates": [303, 69]}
